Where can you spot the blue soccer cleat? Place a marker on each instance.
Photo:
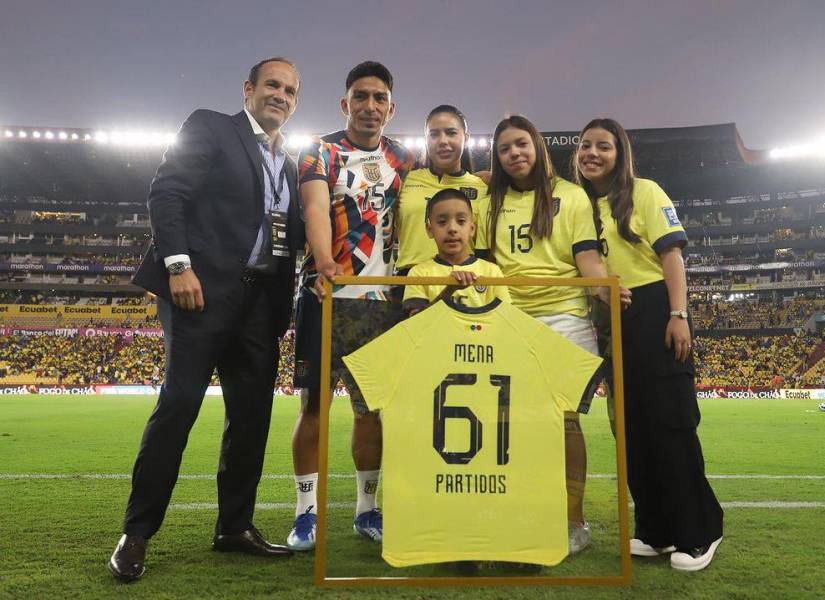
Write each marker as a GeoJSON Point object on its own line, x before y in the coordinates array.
{"type": "Point", "coordinates": [302, 536]}
{"type": "Point", "coordinates": [369, 524]}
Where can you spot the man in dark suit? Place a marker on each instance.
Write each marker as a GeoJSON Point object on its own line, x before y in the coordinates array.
{"type": "Point", "coordinates": [226, 228]}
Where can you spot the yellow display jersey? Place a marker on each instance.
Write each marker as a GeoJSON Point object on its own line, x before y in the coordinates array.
{"type": "Point", "coordinates": [519, 254]}
{"type": "Point", "coordinates": [419, 296]}
{"type": "Point", "coordinates": [654, 220]}
{"type": "Point", "coordinates": [414, 245]}
{"type": "Point", "coordinates": [473, 403]}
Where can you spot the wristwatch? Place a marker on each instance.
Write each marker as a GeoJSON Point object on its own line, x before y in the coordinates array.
{"type": "Point", "coordinates": [682, 314]}
{"type": "Point", "coordinates": [176, 268]}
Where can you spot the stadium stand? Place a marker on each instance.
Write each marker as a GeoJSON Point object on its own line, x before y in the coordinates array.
{"type": "Point", "coordinates": [73, 226]}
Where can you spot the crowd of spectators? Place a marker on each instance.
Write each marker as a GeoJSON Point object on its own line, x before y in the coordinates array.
{"type": "Point", "coordinates": [753, 314]}
{"type": "Point", "coordinates": [778, 235]}
{"type": "Point", "coordinates": [758, 361]}
{"type": "Point", "coordinates": [101, 359]}
{"type": "Point", "coordinates": [61, 218]}
{"type": "Point", "coordinates": [38, 297]}
{"type": "Point", "coordinates": [73, 259]}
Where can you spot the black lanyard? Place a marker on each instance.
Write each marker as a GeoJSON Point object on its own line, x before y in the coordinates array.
{"type": "Point", "coordinates": [276, 190]}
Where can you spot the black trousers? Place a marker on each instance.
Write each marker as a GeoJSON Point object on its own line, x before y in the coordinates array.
{"type": "Point", "coordinates": [235, 334]}
{"type": "Point", "coordinates": [674, 503]}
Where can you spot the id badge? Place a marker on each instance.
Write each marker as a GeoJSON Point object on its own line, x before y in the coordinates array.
{"type": "Point", "coordinates": [280, 245]}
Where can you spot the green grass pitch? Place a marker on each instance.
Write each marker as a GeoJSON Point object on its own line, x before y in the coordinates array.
{"type": "Point", "coordinates": [56, 533]}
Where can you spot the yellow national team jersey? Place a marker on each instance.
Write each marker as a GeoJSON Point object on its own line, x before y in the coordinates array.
{"type": "Point", "coordinates": [654, 220]}
{"type": "Point", "coordinates": [414, 245]}
{"type": "Point", "coordinates": [473, 405]}
{"type": "Point", "coordinates": [519, 254]}
{"type": "Point", "coordinates": [418, 296]}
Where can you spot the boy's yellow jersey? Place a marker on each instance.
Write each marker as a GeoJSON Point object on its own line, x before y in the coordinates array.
{"type": "Point", "coordinates": [654, 220]}
{"type": "Point", "coordinates": [473, 403]}
{"type": "Point", "coordinates": [419, 296]}
{"type": "Point", "coordinates": [414, 245]}
{"type": "Point", "coordinates": [520, 254]}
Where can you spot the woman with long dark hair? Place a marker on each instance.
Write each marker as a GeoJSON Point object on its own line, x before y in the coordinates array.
{"type": "Point", "coordinates": [536, 224]}
{"type": "Point", "coordinates": [641, 237]}
{"type": "Point", "coordinates": [448, 166]}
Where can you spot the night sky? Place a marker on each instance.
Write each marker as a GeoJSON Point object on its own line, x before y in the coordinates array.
{"type": "Point", "coordinates": [114, 64]}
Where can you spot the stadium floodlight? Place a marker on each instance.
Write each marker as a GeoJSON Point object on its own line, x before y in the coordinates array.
{"type": "Point", "coordinates": [22, 134]}
{"type": "Point", "coordinates": [87, 137]}
{"type": "Point", "coordinates": [298, 140]}
{"type": "Point", "coordinates": [482, 142]}
{"type": "Point", "coordinates": [419, 142]}
{"type": "Point", "coordinates": [49, 135]}
{"type": "Point", "coordinates": [63, 135]}
{"type": "Point", "coordinates": [36, 135]}
{"type": "Point", "coordinates": [9, 133]}
{"type": "Point", "coordinates": [812, 150]}
{"type": "Point", "coordinates": [409, 142]}
{"type": "Point", "coordinates": [102, 137]}
{"type": "Point", "coordinates": [471, 142]}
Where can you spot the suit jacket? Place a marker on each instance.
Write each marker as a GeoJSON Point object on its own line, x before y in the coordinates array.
{"type": "Point", "coordinates": [207, 201]}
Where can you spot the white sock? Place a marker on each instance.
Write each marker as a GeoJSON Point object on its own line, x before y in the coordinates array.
{"type": "Point", "coordinates": [306, 487]}
{"type": "Point", "coordinates": [367, 488]}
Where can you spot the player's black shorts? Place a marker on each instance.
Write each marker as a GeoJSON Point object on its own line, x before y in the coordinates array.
{"type": "Point", "coordinates": [354, 323]}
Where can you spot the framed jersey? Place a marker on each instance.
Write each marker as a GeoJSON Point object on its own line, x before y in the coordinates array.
{"type": "Point", "coordinates": [470, 397]}
{"type": "Point", "coordinates": [475, 395]}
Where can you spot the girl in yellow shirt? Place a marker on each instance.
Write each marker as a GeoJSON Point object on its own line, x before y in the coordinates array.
{"type": "Point", "coordinates": [641, 238]}
{"type": "Point", "coordinates": [448, 166]}
{"type": "Point", "coordinates": [536, 224]}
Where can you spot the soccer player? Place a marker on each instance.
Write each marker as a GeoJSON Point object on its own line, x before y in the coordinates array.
{"type": "Point", "coordinates": [675, 508]}
{"type": "Point", "coordinates": [448, 165]}
{"type": "Point", "coordinates": [449, 221]}
{"type": "Point", "coordinates": [349, 184]}
{"type": "Point", "coordinates": [536, 224]}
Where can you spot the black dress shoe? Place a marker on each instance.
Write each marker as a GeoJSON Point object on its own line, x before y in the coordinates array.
{"type": "Point", "coordinates": [126, 563]}
{"type": "Point", "coordinates": [250, 542]}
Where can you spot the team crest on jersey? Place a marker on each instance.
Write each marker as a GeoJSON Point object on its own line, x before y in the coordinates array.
{"type": "Point", "coordinates": [470, 192]}
{"type": "Point", "coordinates": [372, 171]}
{"type": "Point", "coordinates": [671, 217]}
{"type": "Point", "coordinates": [481, 288]}
{"type": "Point", "coordinates": [556, 205]}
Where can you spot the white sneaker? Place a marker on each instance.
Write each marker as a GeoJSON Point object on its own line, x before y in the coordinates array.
{"type": "Point", "coordinates": [694, 559]}
{"type": "Point", "coordinates": [302, 536]}
{"type": "Point", "coordinates": [578, 537]}
{"type": "Point", "coordinates": [639, 548]}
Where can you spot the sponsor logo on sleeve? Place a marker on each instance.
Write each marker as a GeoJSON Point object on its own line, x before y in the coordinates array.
{"type": "Point", "coordinates": [671, 218]}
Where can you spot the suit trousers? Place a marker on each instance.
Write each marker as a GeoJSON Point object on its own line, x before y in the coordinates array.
{"type": "Point", "coordinates": [235, 334]}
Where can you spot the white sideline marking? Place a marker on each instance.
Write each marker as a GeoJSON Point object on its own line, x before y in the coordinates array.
{"type": "Point", "coordinates": [258, 506]}
{"type": "Point", "coordinates": [129, 476]}
{"type": "Point", "coordinates": [772, 504]}
{"type": "Point", "coordinates": [751, 476]}
{"type": "Point", "coordinates": [351, 476]}
{"type": "Point", "coordinates": [291, 505]}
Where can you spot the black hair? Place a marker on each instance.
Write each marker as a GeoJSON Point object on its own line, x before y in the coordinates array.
{"type": "Point", "coordinates": [256, 69]}
{"type": "Point", "coordinates": [620, 195]}
{"type": "Point", "coordinates": [369, 68]}
{"type": "Point", "coordinates": [446, 194]}
{"type": "Point", "coordinates": [466, 159]}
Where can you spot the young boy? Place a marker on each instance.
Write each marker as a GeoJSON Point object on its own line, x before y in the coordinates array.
{"type": "Point", "coordinates": [449, 221]}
